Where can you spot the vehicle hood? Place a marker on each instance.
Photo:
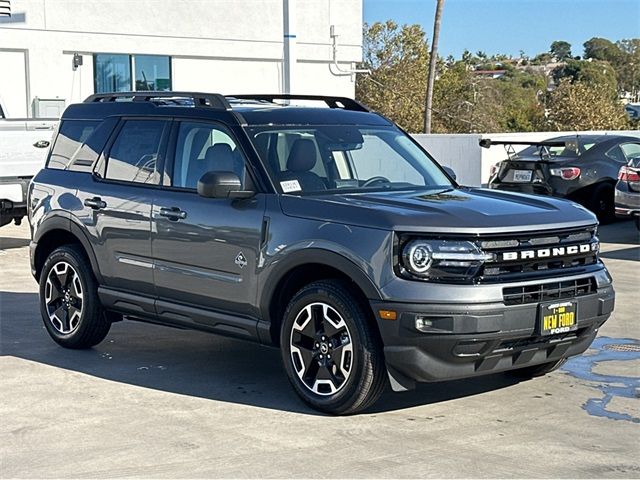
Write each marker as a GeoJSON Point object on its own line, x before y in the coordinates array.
{"type": "Point", "coordinates": [459, 210]}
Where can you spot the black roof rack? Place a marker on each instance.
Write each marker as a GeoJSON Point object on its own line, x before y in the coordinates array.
{"type": "Point", "coordinates": [211, 100]}
{"type": "Point", "coordinates": [332, 102]}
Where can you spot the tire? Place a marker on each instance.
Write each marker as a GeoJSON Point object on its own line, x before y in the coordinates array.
{"type": "Point", "coordinates": [601, 202]}
{"type": "Point", "coordinates": [322, 321]}
{"type": "Point", "coordinates": [69, 303]}
{"type": "Point", "coordinates": [537, 370]}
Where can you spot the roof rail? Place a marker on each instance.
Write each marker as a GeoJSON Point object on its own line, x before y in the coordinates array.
{"type": "Point", "coordinates": [331, 101]}
{"type": "Point", "coordinates": [211, 100]}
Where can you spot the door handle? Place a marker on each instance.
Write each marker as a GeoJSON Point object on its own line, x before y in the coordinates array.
{"type": "Point", "coordinates": [96, 203]}
{"type": "Point", "coordinates": [173, 213]}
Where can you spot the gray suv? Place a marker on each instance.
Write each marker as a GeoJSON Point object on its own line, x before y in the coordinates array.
{"type": "Point", "coordinates": [328, 232]}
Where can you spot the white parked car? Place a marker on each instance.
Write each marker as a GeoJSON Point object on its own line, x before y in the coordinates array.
{"type": "Point", "coordinates": [24, 143]}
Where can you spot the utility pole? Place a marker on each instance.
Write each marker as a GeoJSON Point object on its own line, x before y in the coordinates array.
{"type": "Point", "coordinates": [432, 66]}
{"type": "Point", "coordinates": [290, 43]}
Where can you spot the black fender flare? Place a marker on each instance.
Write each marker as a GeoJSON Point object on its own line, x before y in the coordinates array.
{"type": "Point", "coordinates": [316, 256]}
{"type": "Point", "coordinates": [67, 222]}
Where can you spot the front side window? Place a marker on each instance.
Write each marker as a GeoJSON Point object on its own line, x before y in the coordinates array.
{"type": "Point", "coordinates": [133, 157]}
{"type": "Point", "coordinates": [203, 148]}
{"type": "Point", "coordinates": [124, 73]}
{"type": "Point", "coordinates": [71, 135]}
{"type": "Point", "coordinates": [349, 159]}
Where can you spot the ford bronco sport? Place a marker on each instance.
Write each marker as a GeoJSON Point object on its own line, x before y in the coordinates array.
{"type": "Point", "coordinates": [328, 232]}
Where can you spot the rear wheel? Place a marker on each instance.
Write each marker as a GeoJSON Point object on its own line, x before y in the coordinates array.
{"type": "Point", "coordinates": [601, 202]}
{"type": "Point", "coordinates": [332, 356]}
{"type": "Point", "coordinates": [69, 302]}
{"type": "Point", "coordinates": [537, 370]}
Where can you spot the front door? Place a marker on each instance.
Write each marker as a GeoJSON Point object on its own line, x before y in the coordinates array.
{"type": "Point", "coordinates": [205, 250]}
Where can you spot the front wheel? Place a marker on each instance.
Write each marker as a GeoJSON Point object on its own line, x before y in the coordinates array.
{"type": "Point", "coordinates": [332, 355]}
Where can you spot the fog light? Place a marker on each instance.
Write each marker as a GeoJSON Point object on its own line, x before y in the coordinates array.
{"type": "Point", "coordinates": [423, 323]}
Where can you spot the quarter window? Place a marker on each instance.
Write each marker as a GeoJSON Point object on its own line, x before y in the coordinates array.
{"type": "Point", "coordinates": [71, 135]}
{"type": "Point", "coordinates": [133, 157]}
{"type": "Point", "coordinates": [631, 150]}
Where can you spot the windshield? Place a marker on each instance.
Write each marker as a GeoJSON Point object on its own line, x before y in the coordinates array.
{"type": "Point", "coordinates": [346, 159]}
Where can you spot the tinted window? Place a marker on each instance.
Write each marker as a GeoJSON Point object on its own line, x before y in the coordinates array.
{"type": "Point", "coordinates": [134, 154]}
{"type": "Point", "coordinates": [71, 135]}
{"type": "Point", "coordinates": [202, 148]}
{"type": "Point", "coordinates": [631, 150]}
{"type": "Point", "coordinates": [616, 154]}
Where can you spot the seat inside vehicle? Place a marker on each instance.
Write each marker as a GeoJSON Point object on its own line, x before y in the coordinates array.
{"type": "Point", "coordinates": [302, 159]}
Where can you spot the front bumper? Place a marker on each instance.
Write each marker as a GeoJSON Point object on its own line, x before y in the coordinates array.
{"type": "Point", "coordinates": [475, 338]}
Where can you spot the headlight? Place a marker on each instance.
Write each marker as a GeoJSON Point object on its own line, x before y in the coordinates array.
{"type": "Point", "coordinates": [442, 259]}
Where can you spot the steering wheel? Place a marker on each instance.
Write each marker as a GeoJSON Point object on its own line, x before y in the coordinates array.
{"type": "Point", "coordinates": [375, 179]}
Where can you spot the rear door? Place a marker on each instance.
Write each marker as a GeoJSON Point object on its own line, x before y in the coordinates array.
{"type": "Point", "coordinates": [116, 204]}
{"type": "Point", "coordinates": [205, 250]}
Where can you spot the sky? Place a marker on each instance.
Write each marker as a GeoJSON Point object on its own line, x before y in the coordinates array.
{"type": "Point", "coordinates": [508, 26]}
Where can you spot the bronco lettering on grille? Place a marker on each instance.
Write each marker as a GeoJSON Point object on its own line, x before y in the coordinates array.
{"type": "Point", "coordinates": [550, 252]}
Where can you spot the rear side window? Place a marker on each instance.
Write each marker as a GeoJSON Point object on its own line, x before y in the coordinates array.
{"type": "Point", "coordinates": [134, 155]}
{"type": "Point", "coordinates": [71, 135]}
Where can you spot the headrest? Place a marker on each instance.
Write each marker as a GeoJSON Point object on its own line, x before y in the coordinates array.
{"type": "Point", "coordinates": [219, 157]}
{"type": "Point", "coordinates": [302, 157]}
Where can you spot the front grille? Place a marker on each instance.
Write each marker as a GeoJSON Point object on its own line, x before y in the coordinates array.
{"type": "Point", "coordinates": [548, 291]}
{"type": "Point", "coordinates": [552, 242]}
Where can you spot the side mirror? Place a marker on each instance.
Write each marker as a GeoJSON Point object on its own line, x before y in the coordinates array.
{"type": "Point", "coordinates": [450, 172]}
{"type": "Point", "coordinates": [222, 185]}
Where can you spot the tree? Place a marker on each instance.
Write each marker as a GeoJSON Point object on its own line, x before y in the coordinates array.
{"type": "Point", "coordinates": [597, 73]}
{"type": "Point", "coordinates": [397, 57]}
{"type": "Point", "coordinates": [601, 49]}
{"type": "Point", "coordinates": [583, 106]}
{"type": "Point", "coordinates": [561, 50]}
{"type": "Point", "coordinates": [432, 66]}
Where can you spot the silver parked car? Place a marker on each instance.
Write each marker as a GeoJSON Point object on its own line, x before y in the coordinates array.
{"type": "Point", "coordinates": [627, 196]}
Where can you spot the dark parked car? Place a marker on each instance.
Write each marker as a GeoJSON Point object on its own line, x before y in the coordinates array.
{"type": "Point", "coordinates": [328, 232]}
{"type": "Point", "coordinates": [581, 168]}
{"type": "Point", "coordinates": [628, 191]}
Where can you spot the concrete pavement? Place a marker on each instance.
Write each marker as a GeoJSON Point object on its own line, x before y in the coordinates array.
{"type": "Point", "coordinates": [152, 401]}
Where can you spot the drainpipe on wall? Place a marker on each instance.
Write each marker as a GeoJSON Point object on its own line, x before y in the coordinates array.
{"type": "Point", "coordinates": [290, 43]}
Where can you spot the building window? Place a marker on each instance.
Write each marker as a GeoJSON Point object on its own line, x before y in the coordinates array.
{"type": "Point", "coordinates": [113, 72]}
{"type": "Point", "coordinates": [153, 72]}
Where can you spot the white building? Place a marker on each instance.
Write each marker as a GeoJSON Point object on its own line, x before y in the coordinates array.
{"type": "Point", "coordinates": [69, 49]}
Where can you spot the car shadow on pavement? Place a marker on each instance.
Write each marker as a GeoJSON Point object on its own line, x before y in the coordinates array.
{"type": "Point", "coordinates": [619, 232]}
{"type": "Point", "coordinates": [7, 243]}
{"type": "Point", "coordinates": [192, 363]}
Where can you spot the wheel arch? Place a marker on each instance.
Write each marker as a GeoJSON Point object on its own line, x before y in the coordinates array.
{"type": "Point", "coordinates": [302, 268]}
{"type": "Point", "coordinates": [54, 233]}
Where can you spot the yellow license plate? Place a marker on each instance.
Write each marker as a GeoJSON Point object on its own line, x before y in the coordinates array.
{"type": "Point", "coordinates": [557, 317]}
